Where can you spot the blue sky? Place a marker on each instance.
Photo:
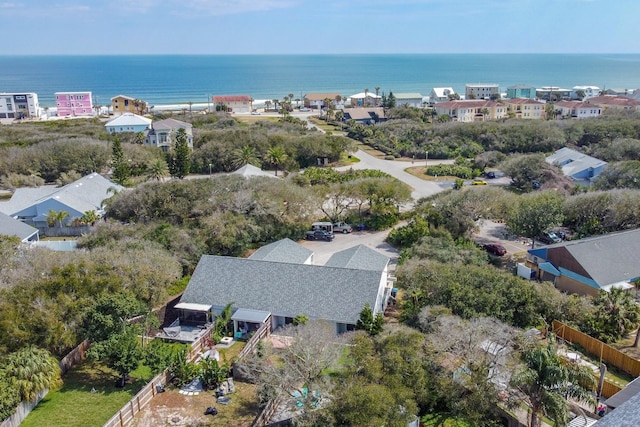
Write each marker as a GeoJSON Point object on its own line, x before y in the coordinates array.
{"type": "Point", "coordinates": [318, 26]}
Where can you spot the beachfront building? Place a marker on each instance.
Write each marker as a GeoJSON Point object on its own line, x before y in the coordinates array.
{"type": "Point", "coordinates": [482, 91]}
{"type": "Point", "coordinates": [125, 104]}
{"type": "Point", "coordinates": [366, 99]}
{"type": "Point", "coordinates": [19, 105]}
{"type": "Point", "coordinates": [476, 110]}
{"type": "Point", "coordinates": [521, 91]}
{"type": "Point", "coordinates": [584, 92]}
{"type": "Point", "coordinates": [553, 93]}
{"type": "Point", "coordinates": [413, 99]}
{"type": "Point", "coordinates": [234, 103]}
{"type": "Point", "coordinates": [161, 133]}
{"type": "Point", "coordinates": [617, 91]}
{"type": "Point", "coordinates": [317, 100]}
{"type": "Point", "coordinates": [74, 104]}
{"type": "Point", "coordinates": [615, 102]}
{"type": "Point", "coordinates": [525, 108]}
{"type": "Point", "coordinates": [576, 109]}
{"type": "Point", "coordinates": [128, 122]}
{"type": "Point", "coordinates": [441, 94]}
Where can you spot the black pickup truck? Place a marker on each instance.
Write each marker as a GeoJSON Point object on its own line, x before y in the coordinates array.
{"type": "Point", "coordinates": [319, 235]}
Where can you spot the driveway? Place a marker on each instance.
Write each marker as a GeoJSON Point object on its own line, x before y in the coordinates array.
{"type": "Point", "coordinates": [322, 250]}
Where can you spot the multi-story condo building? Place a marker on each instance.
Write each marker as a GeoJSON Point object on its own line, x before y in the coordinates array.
{"type": "Point", "coordinates": [476, 110]}
{"type": "Point", "coordinates": [521, 91]}
{"type": "Point", "coordinates": [481, 91]}
{"type": "Point", "coordinates": [19, 105]}
{"type": "Point", "coordinates": [74, 104]}
{"type": "Point", "coordinates": [553, 93]}
{"type": "Point", "coordinates": [525, 108]}
{"type": "Point", "coordinates": [584, 92]}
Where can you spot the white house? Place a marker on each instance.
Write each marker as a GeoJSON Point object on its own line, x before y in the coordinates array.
{"type": "Point", "coordinates": [577, 109]}
{"type": "Point", "coordinates": [441, 94]}
{"type": "Point", "coordinates": [317, 100]}
{"type": "Point", "coordinates": [19, 105]}
{"type": "Point", "coordinates": [128, 122]}
{"type": "Point", "coordinates": [278, 282]}
{"type": "Point", "coordinates": [589, 92]}
{"type": "Point", "coordinates": [413, 99]}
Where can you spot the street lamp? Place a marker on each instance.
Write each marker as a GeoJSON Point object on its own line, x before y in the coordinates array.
{"type": "Point", "coordinates": [209, 168]}
{"type": "Point", "coordinates": [426, 161]}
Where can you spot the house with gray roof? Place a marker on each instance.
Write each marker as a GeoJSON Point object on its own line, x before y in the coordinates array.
{"type": "Point", "coordinates": [271, 287]}
{"type": "Point", "coordinates": [285, 250]}
{"type": "Point", "coordinates": [161, 133]}
{"type": "Point", "coordinates": [32, 205]}
{"type": "Point", "coordinates": [250, 171]}
{"type": "Point", "coordinates": [626, 408]}
{"type": "Point", "coordinates": [12, 227]}
{"type": "Point", "coordinates": [587, 266]}
{"type": "Point", "coordinates": [576, 165]}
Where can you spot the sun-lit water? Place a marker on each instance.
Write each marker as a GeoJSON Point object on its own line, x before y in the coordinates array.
{"type": "Point", "coordinates": [171, 79]}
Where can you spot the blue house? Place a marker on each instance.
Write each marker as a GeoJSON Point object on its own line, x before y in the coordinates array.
{"type": "Point", "coordinates": [576, 165]}
{"type": "Point", "coordinates": [521, 91]}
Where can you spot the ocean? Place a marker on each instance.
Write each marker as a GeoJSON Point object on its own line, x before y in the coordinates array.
{"type": "Point", "coordinates": [176, 79]}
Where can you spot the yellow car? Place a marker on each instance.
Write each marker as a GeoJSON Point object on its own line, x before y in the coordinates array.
{"type": "Point", "coordinates": [478, 182]}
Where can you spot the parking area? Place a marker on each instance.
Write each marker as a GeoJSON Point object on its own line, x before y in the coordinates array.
{"type": "Point", "coordinates": [496, 232]}
{"type": "Point", "coordinates": [373, 239]}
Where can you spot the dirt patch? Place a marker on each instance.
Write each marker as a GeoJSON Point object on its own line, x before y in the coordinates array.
{"type": "Point", "coordinates": [174, 409]}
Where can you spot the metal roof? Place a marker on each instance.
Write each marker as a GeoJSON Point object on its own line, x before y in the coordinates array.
{"type": "Point", "coordinates": [128, 119]}
{"type": "Point", "coordinates": [192, 306]}
{"type": "Point", "coordinates": [252, 316]}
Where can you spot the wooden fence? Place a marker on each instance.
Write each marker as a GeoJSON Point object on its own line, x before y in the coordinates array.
{"type": "Point", "coordinates": [263, 332]}
{"type": "Point", "coordinates": [604, 353]}
{"type": "Point", "coordinates": [609, 389]}
{"type": "Point", "coordinates": [72, 358]}
{"type": "Point", "coordinates": [267, 413]}
{"type": "Point", "coordinates": [144, 396]}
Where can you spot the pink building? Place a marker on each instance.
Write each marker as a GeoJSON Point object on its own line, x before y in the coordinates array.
{"type": "Point", "coordinates": [74, 104]}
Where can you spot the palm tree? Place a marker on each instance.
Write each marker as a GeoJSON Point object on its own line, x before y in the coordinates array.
{"type": "Point", "coordinates": [616, 315]}
{"type": "Point", "coordinates": [267, 104]}
{"type": "Point", "coordinates": [157, 169]}
{"type": "Point", "coordinates": [546, 382]}
{"type": "Point", "coordinates": [97, 107]}
{"type": "Point", "coordinates": [89, 218]}
{"type": "Point", "coordinates": [32, 370]}
{"type": "Point", "coordinates": [223, 320]}
{"type": "Point", "coordinates": [377, 90]}
{"type": "Point", "coordinates": [245, 156]}
{"type": "Point", "coordinates": [54, 217]}
{"type": "Point", "coordinates": [276, 156]}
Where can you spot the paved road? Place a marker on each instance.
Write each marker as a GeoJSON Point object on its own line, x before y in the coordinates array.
{"type": "Point", "coordinates": [396, 168]}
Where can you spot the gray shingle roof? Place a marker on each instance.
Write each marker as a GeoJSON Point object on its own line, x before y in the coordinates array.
{"type": "Point", "coordinates": [359, 257]}
{"type": "Point", "coordinates": [335, 294]}
{"type": "Point", "coordinates": [626, 415]}
{"type": "Point", "coordinates": [12, 227]}
{"type": "Point", "coordinates": [573, 161]}
{"type": "Point", "coordinates": [285, 250]}
{"type": "Point", "coordinates": [170, 124]}
{"type": "Point", "coordinates": [610, 258]}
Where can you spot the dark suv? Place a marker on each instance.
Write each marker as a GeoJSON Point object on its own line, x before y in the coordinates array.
{"type": "Point", "coordinates": [319, 235]}
{"type": "Point", "coordinates": [549, 238]}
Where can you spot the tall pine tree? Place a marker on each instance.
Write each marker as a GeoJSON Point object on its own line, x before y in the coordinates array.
{"type": "Point", "coordinates": [119, 167]}
{"type": "Point", "coordinates": [180, 162]}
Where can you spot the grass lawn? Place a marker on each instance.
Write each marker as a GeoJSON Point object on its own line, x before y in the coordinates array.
{"type": "Point", "coordinates": [254, 119]}
{"type": "Point", "coordinates": [418, 172]}
{"type": "Point", "coordinates": [75, 405]}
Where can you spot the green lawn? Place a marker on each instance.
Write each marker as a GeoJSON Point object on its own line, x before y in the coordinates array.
{"type": "Point", "coordinates": [75, 405]}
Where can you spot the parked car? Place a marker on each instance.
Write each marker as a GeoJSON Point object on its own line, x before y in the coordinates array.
{"type": "Point", "coordinates": [305, 109]}
{"type": "Point", "coordinates": [341, 227]}
{"type": "Point", "coordinates": [494, 248]}
{"type": "Point", "coordinates": [255, 113]}
{"type": "Point", "coordinates": [319, 235]}
{"type": "Point", "coordinates": [478, 181]}
{"type": "Point", "coordinates": [549, 237]}
{"type": "Point", "coordinates": [490, 175]}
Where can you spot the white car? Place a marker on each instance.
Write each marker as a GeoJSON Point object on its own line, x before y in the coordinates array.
{"type": "Point", "coordinates": [255, 113]}
{"type": "Point", "coordinates": [305, 109]}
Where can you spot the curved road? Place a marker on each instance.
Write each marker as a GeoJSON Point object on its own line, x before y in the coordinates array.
{"type": "Point", "coordinates": [396, 168]}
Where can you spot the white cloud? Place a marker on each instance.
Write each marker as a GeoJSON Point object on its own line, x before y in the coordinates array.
{"type": "Point", "coordinates": [228, 7]}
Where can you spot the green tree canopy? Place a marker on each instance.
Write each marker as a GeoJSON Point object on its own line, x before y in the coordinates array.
{"type": "Point", "coordinates": [535, 213]}
{"type": "Point", "coordinates": [180, 162]}
{"type": "Point", "coordinates": [30, 371]}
